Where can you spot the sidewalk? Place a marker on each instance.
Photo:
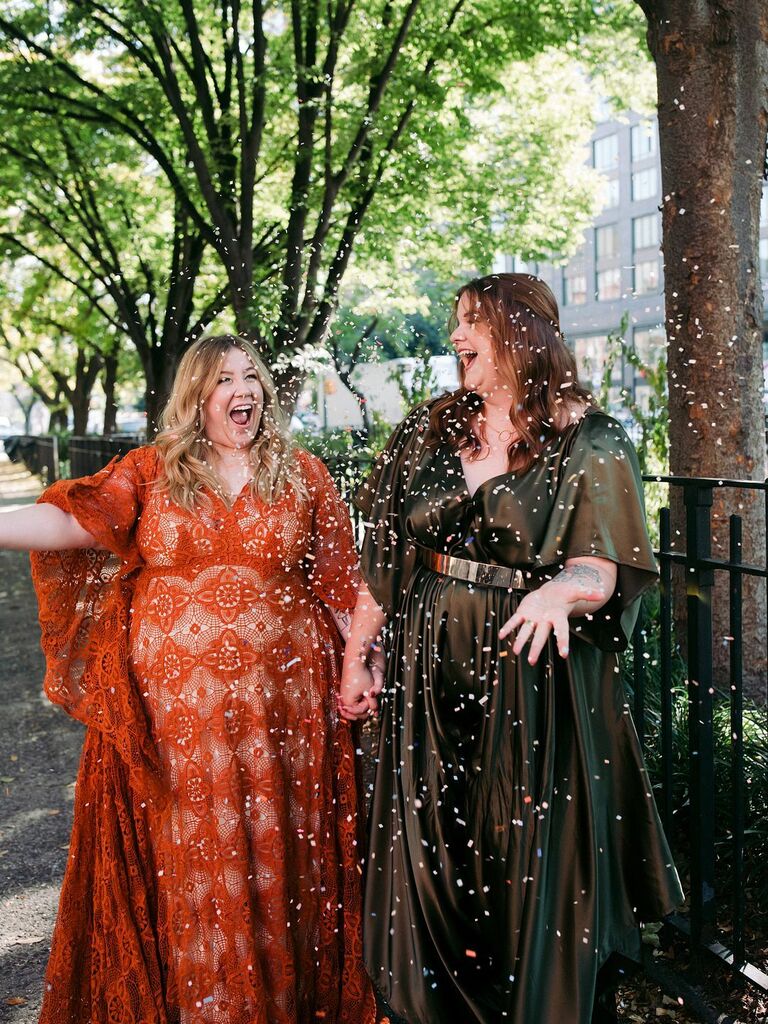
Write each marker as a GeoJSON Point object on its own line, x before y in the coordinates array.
{"type": "Point", "coordinates": [39, 752]}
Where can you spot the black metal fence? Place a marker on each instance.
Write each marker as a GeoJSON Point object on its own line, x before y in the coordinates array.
{"type": "Point", "coordinates": [88, 455]}
{"type": "Point", "coordinates": [40, 454]}
{"type": "Point", "coordinates": [51, 457]}
{"type": "Point", "coordinates": [685, 765]}
{"type": "Point", "coordinates": [348, 473]}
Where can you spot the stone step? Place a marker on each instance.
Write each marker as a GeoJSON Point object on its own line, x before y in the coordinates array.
{"type": "Point", "coordinates": [13, 471]}
{"type": "Point", "coordinates": [17, 485]}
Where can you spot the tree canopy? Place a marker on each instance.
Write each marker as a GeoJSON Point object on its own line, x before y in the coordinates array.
{"type": "Point", "coordinates": [274, 140]}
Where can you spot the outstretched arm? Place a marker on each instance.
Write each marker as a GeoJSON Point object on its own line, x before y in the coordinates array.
{"type": "Point", "coordinates": [42, 527]}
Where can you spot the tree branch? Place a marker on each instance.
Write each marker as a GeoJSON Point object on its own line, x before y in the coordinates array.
{"type": "Point", "coordinates": [128, 122]}
{"type": "Point", "coordinates": [49, 265]}
{"type": "Point", "coordinates": [198, 73]}
{"type": "Point", "coordinates": [376, 91]}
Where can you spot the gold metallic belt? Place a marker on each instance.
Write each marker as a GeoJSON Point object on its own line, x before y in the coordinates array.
{"type": "Point", "coordinates": [482, 573]}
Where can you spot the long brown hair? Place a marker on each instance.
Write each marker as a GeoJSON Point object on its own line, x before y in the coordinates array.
{"type": "Point", "coordinates": [184, 452]}
{"type": "Point", "coordinates": [532, 358]}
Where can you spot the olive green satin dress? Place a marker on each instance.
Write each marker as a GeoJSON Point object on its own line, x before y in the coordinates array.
{"type": "Point", "coordinates": [514, 842]}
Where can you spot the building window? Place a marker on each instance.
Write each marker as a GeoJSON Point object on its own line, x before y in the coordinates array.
{"type": "Point", "coordinates": [608, 284]}
{"type": "Point", "coordinates": [651, 345]}
{"type": "Point", "coordinates": [764, 208]}
{"type": "Point", "coordinates": [574, 289]}
{"type": "Point", "coordinates": [646, 277]}
{"type": "Point", "coordinates": [764, 258]}
{"type": "Point", "coordinates": [643, 140]}
{"type": "Point", "coordinates": [645, 232]}
{"type": "Point", "coordinates": [517, 265]}
{"type": "Point", "coordinates": [591, 354]}
{"type": "Point", "coordinates": [607, 241]}
{"type": "Point", "coordinates": [644, 184]}
{"type": "Point", "coordinates": [609, 193]}
{"type": "Point", "coordinates": [605, 153]}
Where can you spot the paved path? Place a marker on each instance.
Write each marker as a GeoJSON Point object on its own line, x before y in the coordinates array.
{"type": "Point", "coordinates": [39, 752]}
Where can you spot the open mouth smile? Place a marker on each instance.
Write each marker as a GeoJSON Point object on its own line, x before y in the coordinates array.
{"type": "Point", "coordinates": [467, 356]}
{"type": "Point", "coordinates": [242, 415]}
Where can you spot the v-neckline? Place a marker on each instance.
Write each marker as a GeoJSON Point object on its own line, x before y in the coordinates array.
{"type": "Point", "coordinates": [501, 476]}
{"type": "Point", "coordinates": [219, 496]}
{"type": "Point", "coordinates": [473, 494]}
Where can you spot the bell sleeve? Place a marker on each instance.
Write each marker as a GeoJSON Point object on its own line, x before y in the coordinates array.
{"type": "Point", "coordinates": [84, 601]}
{"type": "Point", "coordinates": [107, 504]}
{"type": "Point", "coordinates": [332, 560]}
{"type": "Point", "coordinates": [388, 555]}
{"type": "Point", "coordinates": [600, 512]}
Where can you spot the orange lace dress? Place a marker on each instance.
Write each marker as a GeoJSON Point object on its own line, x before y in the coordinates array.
{"type": "Point", "coordinates": [213, 874]}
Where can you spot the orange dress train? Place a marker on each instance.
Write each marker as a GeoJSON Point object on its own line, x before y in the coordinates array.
{"type": "Point", "coordinates": [213, 875]}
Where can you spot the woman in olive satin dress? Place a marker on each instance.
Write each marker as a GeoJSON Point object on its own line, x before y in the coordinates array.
{"type": "Point", "coordinates": [514, 843]}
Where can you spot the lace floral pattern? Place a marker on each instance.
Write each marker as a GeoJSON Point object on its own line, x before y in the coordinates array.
{"type": "Point", "coordinates": [214, 870]}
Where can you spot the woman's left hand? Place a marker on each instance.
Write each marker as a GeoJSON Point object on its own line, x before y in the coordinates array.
{"type": "Point", "coordinates": [362, 680]}
{"type": "Point", "coordinates": [547, 610]}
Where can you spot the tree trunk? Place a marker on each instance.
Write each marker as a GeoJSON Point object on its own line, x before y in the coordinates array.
{"type": "Point", "coordinates": [109, 384]}
{"type": "Point", "coordinates": [362, 402]}
{"type": "Point", "coordinates": [288, 381]}
{"type": "Point", "coordinates": [712, 72]}
{"type": "Point", "coordinates": [159, 371]}
{"type": "Point", "coordinates": [57, 424]}
{"type": "Point", "coordinates": [26, 409]}
{"type": "Point", "coordinates": [81, 404]}
{"type": "Point", "coordinates": [86, 371]}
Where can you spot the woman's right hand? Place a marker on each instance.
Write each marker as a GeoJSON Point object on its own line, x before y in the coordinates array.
{"type": "Point", "coordinates": [362, 680]}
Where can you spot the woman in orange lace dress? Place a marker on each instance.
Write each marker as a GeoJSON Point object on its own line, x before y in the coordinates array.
{"type": "Point", "coordinates": [191, 597]}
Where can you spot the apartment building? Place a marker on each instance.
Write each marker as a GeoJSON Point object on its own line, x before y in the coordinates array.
{"type": "Point", "coordinates": [619, 270]}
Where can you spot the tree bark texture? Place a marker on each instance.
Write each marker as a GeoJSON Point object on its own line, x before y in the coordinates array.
{"type": "Point", "coordinates": [109, 383]}
{"type": "Point", "coordinates": [712, 73]}
{"type": "Point", "coordinates": [160, 364]}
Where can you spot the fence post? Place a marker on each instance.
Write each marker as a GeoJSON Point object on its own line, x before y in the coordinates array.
{"type": "Point", "coordinates": [53, 469]}
{"type": "Point", "coordinates": [665, 659]}
{"type": "Point", "coordinates": [699, 583]}
{"type": "Point", "coordinates": [638, 673]}
{"type": "Point", "coordinates": [737, 738]}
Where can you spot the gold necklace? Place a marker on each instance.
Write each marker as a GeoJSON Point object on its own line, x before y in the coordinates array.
{"type": "Point", "coordinates": [502, 435]}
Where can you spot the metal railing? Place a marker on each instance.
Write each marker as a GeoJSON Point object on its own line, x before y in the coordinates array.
{"type": "Point", "coordinates": [39, 453]}
{"type": "Point", "coordinates": [87, 455]}
{"type": "Point", "coordinates": [348, 472]}
{"type": "Point", "coordinates": [700, 842]}
{"type": "Point", "coordinates": [48, 455]}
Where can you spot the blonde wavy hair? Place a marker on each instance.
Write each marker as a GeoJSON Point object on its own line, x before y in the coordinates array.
{"type": "Point", "coordinates": [181, 442]}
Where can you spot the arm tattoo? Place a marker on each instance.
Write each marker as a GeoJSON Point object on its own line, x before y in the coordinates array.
{"type": "Point", "coordinates": [583, 575]}
{"type": "Point", "coordinates": [343, 620]}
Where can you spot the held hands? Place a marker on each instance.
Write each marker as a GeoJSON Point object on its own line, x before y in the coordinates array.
{"type": "Point", "coordinates": [578, 589]}
{"type": "Point", "coordinates": [362, 680]}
